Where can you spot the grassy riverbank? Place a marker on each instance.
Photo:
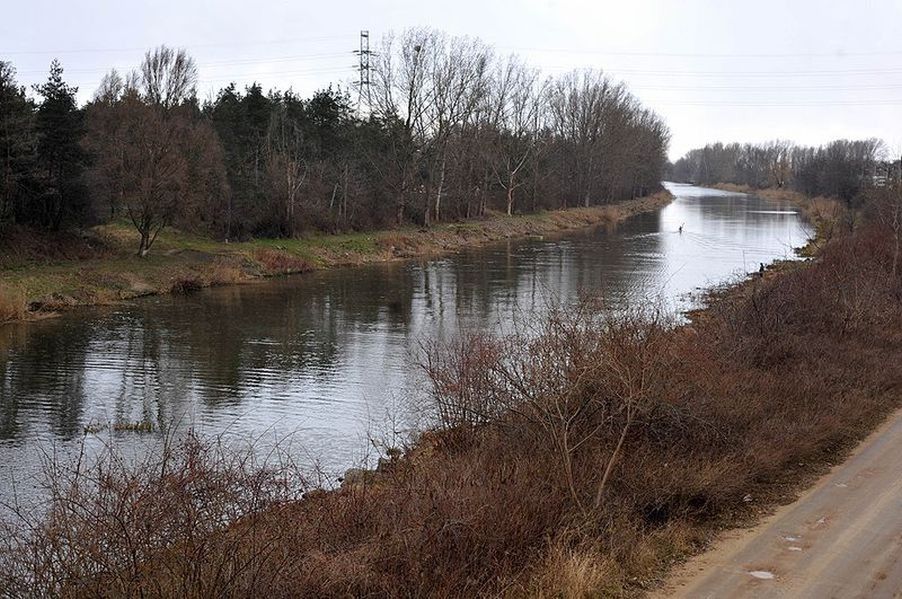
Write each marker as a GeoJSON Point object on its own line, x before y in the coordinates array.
{"type": "Point", "coordinates": [581, 459]}
{"type": "Point", "coordinates": [41, 275]}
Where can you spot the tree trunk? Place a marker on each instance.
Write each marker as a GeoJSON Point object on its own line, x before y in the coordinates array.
{"type": "Point", "coordinates": [599, 495]}
{"type": "Point", "coordinates": [438, 195]}
{"type": "Point", "coordinates": [401, 196]}
{"type": "Point", "coordinates": [144, 245]}
{"type": "Point", "coordinates": [344, 198]}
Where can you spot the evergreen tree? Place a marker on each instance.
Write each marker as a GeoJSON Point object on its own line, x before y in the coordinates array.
{"type": "Point", "coordinates": [241, 121]}
{"type": "Point", "coordinates": [225, 113]}
{"type": "Point", "coordinates": [17, 146]}
{"type": "Point", "coordinates": [61, 160]}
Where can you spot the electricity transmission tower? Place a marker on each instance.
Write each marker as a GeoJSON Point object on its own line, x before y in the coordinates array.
{"type": "Point", "coordinates": [364, 95]}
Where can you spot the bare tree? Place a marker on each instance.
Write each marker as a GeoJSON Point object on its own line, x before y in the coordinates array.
{"type": "Point", "coordinates": [111, 88]}
{"type": "Point", "coordinates": [516, 104]}
{"type": "Point", "coordinates": [779, 163]}
{"type": "Point", "coordinates": [400, 99]}
{"type": "Point", "coordinates": [887, 205]}
{"type": "Point", "coordinates": [152, 156]}
{"type": "Point", "coordinates": [286, 164]}
{"type": "Point", "coordinates": [431, 84]}
{"type": "Point", "coordinates": [168, 77]}
{"type": "Point", "coordinates": [153, 170]}
{"type": "Point", "coordinates": [580, 107]}
{"type": "Point", "coordinates": [458, 82]}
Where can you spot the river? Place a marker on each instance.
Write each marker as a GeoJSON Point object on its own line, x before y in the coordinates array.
{"type": "Point", "coordinates": [322, 362]}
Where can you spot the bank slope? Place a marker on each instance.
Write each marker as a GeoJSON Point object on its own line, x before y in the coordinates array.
{"type": "Point", "coordinates": [108, 272]}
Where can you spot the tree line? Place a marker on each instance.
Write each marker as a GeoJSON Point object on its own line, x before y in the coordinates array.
{"type": "Point", "coordinates": [446, 130]}
{"type": "Point", "coordinates": [840, 168]}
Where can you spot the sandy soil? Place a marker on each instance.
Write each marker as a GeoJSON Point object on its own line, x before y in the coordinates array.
{"type": "Point", "coordinates": [842, 538]}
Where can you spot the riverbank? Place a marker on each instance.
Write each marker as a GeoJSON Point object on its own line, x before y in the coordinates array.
{"type": "Point", "coordinates": [771, 193]}
{"type": "Point", "coordinates": [828, 216]}
{"type": "Point", "coordinates": [583, 458]}
{"type": "Point", "coordinates": [101, 268]}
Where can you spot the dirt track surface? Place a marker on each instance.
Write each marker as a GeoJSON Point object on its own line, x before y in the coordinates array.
{"type": "Point", "coordinates": [842, 538]}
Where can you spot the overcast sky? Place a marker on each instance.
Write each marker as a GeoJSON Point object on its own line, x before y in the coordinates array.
{"type": "Point", "coordinates": [806, 70]}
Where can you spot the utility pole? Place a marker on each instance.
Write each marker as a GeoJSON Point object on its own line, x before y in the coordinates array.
{"type": "Point", "coordinates": [364, 96]}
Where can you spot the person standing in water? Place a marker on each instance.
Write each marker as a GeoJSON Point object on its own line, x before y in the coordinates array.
{"type": "Point", "coordinates": [681, 228]}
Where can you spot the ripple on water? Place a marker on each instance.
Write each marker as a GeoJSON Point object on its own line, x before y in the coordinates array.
{"type": "Point", "coordinates": [326, 358]}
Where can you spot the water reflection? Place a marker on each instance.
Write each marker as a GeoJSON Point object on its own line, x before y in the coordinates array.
{"type": "Point", "coordinates": [321, 355]}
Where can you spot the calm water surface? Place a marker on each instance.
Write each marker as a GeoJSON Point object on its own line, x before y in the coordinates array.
{"type": "Point", "coordinates": [322, 361]}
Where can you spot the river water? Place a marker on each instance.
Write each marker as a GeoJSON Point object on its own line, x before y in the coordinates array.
{"type": "Point", "coordinates": [322, 362]}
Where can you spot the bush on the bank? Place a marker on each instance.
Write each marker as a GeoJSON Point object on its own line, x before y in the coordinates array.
{"type": "Point", "coordinates": [281, 262]}
{"type": "Point", "coordinates": [12, 304]}
{"type": "Point", "coordinates": [186, 284]}
{"type": "Point", "coordinates": [108, 525]}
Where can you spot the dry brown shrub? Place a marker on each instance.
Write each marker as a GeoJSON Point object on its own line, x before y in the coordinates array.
{"type": "Point", "coordinates": [224, 273]}
{"type": "Point", "coordinates": [186, 283]}
{"type": "Point", "coordinates": [578, 381]}
{"type": "Point", "coordinates": [281, 262]}
{"type": "Point", "coordinates": [397, 243]}
{"type": "Point", "coordinates": [12, 304]}
{"type": "Point", "coordinates": [109, 524]}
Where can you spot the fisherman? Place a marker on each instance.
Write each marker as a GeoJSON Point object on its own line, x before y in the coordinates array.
{"type": "Point", "coordinates": [761, 269]}
{"type": "Point", "coordinates": [681, 228]}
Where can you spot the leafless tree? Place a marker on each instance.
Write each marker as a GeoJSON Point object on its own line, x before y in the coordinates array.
{"type": "Point", "coordinates": [431, 84]}
{"type": "Point", "coordinates": [110, 89]}
{"type": "Point", "coordinates": [516, 103]}
{"type": "Point", "coordinates": [286, 164]}
{"type": "Point", "coordinates": [168, 77]}
{"type": "Point", "coordinates": [580, 104]}
{"type": "Point", "coordinates": [458, 82]}
{"type": "Point", "coordinates": [840, 169]}
{"type": "Point", "coordinates": [399, 98]}
{"type": "Point", "coordinates": [152, 156]}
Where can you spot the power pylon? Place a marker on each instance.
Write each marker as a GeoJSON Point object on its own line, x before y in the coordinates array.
{"type": "Point", "coordinates": [364, 95]}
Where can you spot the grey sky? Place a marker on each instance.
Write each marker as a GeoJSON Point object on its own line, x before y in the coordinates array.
{"type": "Point", "coordinates": [807, 70]}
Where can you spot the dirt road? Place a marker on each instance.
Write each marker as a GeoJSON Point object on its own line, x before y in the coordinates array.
{"type": "Point", "coordinates": [842, 538]}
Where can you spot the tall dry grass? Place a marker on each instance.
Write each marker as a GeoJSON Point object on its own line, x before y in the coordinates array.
{"type": "Point", "coordinates": [276, 261]}
{"type": "Point", "coordinates": [13, 304]}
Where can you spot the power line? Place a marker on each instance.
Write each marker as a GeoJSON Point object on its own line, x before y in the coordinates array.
{"type": "Point", "coordinates": [784, 104]}
{"type": "Point", "coordinates": [834, 54]}
{"type": "Point", "coordinates": [279, 72]}
{"type": "Point", "coordinates": [769, 88]}
{"type": "Point", "coordinates": [320, 55]}
{"type": "Point", "coordinates": [215, 64]}
{"type": "Point", "coordinates": [232, 77]}
{"type": "Point", "coordinates": [740, 73]}
{"type": "Point", "coordinates": [188, 46]}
